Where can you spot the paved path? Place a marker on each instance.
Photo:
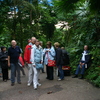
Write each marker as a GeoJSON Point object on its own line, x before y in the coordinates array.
{"type": "Point", "coordinates": [68, 89]}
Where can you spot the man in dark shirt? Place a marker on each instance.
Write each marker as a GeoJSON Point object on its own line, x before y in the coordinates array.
{"type": "Point", "coordinates": [13, 56]}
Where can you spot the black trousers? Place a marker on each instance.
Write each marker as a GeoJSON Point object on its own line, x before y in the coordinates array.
{"type": "Point", "coordinates": [49, 71]}
{"type": "Point", "coordinates": [5, 74]}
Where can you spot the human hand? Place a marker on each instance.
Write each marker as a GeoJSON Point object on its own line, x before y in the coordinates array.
{"type": "Point", "coordinates": [41, 62]}
{"type": "Point", "coordinates": [83, 63]}
{"type": "Point", "coordinates": [6, 58]}
{"type": "Point", "coordinates": [8, 64]}
{"type": "Point", "coordinates": [80, 63]}
{"type": "Point", "coordinates": [47, 50]}
{"type": "Point", "coordinates": [34, 66]}
{"type": "Point", "coordinates": [80, 66]}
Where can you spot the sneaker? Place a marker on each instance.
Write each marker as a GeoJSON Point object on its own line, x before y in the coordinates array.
{"type": "Point", "coordinates": [59, 79]}
{"type": "Point", "coordinates": [35, 87]}
{"type": "Point", "coordinates": [5, 80]}
{"type": "Point", "coordinates": [28, 84]}
{"type": "Point", "coordinates": [81, 77]}
{"type": "Point", "coordinates": [39, 84]}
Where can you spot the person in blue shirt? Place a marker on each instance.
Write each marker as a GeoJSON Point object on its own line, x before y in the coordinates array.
{"type": "Point", "coordinates": [49, 54]}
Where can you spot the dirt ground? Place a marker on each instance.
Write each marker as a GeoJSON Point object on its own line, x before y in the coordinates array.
{"type": "Point", "coordinates": [68, 89]}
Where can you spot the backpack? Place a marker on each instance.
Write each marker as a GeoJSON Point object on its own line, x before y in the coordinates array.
{"type": "Point", "coordinates": [65, 58]}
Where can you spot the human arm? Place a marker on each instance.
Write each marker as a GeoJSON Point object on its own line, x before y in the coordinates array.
{"type": "Point", "coordinates": [8, 61]}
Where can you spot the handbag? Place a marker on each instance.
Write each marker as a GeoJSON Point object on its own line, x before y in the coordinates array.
{"type": "Point", "coordinates": [39, 66]}
{"type": "Point", "coordinates": [51, 63]}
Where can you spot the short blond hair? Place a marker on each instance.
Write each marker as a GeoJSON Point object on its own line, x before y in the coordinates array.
{"type": "Point", "coordinates": [56, 44]}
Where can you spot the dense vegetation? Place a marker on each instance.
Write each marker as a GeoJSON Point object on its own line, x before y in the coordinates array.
{"type": "Point", "coordinates": [33, 18]}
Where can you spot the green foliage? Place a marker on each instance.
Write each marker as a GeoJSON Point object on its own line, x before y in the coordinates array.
{"type": "Point", "coordinates": [84, 30]}
{"type": "Point", "coordinates": [97, 81]}
{"type": "Point", "coordinates": [93, 75]}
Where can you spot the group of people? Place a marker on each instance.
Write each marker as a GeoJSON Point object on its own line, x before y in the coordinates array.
{"type": "Point", "coordinates": [34, 54]}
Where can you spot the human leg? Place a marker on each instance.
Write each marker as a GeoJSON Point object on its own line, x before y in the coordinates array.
{"type": "Point", "coordinates": [12, 73]}
{"type": "Point", "coordinates": [61, 76]}
{"type": "Point", "coordinates": [0, 71]}
{"type": "Point", "coordinates": [77, 72]}
{"type": "Point", "coordinates": [38, 73]}
{"type": "Point", "coordinates": [51, 76]}
{"type": "Point", "coordinates": [47, 71]}
{"type": "Point", "coordinates": [18, 72]}
{"type": "Point", "coordinates": [5, 74]}
{"type": "Point", "coordinates": [35, 78]}
{"type": "Point", "coordinates": [82, 71]}
{"type": "Point", "coordinates": [30, 74]}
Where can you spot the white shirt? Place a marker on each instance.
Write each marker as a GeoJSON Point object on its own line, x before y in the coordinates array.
{"type": "Point", "coordinates": [83, 57]}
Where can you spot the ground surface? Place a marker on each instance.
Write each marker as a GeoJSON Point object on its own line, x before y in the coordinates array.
{"type": "Point", "coordinates": [68, 89]}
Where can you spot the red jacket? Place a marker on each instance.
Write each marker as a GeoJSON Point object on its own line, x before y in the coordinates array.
{"type": "Point", "coordinates": [27, 53]}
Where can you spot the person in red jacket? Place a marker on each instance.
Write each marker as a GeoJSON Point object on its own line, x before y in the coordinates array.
{"type": "Point", "coordinates": [27, 59]}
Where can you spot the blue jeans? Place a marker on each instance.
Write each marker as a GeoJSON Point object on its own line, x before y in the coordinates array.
{"type": "Point", "coordinates": [15, 67]}
{"type": "Point", "coordinates": [80, 70]}
{"type": "Point", "coordinates": [61, 72]}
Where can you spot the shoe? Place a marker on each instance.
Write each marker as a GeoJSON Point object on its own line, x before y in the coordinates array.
{"type": "Point", "coordinates": [47, 78]}
{"type": "Point", "coordinates": [39, 84]}
{"type": "Point", "coordinates": [59, 79]}
{"type": "Point", "coordinates": [28, 84]}
{"type": "Point", "coordinates": [35, 88]}
{"type": "Point", "coordinates": [81, 77]}
{"type": "Point", "coordinates": [75, 76]}
{"type": "Point", "coordinates": [19, 82]}
{"type": "Point", "coordinates": [12, 84]}
{"type": "Point", "coordinates": [5, 80]}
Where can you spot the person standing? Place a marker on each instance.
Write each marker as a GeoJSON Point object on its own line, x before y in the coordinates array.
{"type": "Point", "coordinates": [13, 56]}
{"type": "Point", "coordinates": [36, 58]}
{"type": "Point", "coordinates": [4, 63]}
{"type": "Point", "coordinates": [41, 44]}
{"type": "Point", "coordinates": [49, 54]}
{"type": "Point", "coordinates": [58, 59]}
{"type": "Point", "coordinates": [27, 59]}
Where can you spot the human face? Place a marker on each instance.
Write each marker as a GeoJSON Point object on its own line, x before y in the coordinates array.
{"type": "Point", "coordinates": [13, 43]}
{"type": "Point", "coordinates": [4, 49]}
{"type": "Point", "coordinates": [48, 45]}
{"type": "Point", "coordinates": [37, 43]}
{"type": "Point", "coordinates": [33, 40]}
{"type": "Point", "coordinates": [85, 47]}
